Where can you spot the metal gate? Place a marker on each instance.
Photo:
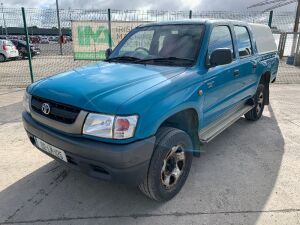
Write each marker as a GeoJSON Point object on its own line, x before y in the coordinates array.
{"type": "Point", "coordinates": [288, 46]}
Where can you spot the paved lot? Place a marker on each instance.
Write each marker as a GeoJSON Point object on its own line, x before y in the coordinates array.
{"type": "Point", "coordinates": [248, 175]}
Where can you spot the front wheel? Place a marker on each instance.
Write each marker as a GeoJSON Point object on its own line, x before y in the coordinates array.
{"type": "Point", "coordinates": [169, 166]}
{"type": "Point", "coordinates": [23, 55]}
{"type": "Point", "coordinates": [259, 104]}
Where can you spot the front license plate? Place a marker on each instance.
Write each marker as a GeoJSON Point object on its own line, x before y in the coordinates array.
{"type": "Point", "coordinates": [51, 149]}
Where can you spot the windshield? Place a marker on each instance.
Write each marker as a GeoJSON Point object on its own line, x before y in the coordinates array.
{"type": "Point", "coordinates": [161, 44]}
{"type": "Point", "coordinates": [8, 43]}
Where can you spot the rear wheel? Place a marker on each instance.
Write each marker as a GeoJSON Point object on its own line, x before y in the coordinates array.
{"type": "Point", "coordinates": [169, 165]}
{"type": "Point", "coordinates": [2, 58]}
{"type": "Point", "coordinates": [259, 104]}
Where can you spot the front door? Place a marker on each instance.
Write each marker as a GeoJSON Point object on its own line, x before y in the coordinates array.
{"type": "Point", "coordinates": [221, 82]}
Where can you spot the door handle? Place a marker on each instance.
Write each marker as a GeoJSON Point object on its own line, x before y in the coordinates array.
{"type": "Point", "coordinates": [254, 66]}
{"type": "Point", "coordinates": [236, 73]}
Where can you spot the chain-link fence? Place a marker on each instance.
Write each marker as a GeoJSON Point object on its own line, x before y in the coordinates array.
{"type": "Point", "coordinates": [52, 58]}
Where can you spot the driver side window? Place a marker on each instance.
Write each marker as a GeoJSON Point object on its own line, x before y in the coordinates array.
{"type": "Point", "coordinates": [141, 40]}
{"type": "Point", "coordinates": [220, 38]}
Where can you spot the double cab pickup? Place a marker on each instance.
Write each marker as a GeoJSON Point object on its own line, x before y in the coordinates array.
{"type": "Point", "coordinates": [141, 115]}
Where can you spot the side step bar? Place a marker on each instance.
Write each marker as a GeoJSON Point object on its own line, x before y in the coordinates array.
{"type": "Point", "coordinates": [207, 134]}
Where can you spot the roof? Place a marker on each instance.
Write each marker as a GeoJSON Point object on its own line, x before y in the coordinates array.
{"type": "Point", "coordinates": [194, 21]}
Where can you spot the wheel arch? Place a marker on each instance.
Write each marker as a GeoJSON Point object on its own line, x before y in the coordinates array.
{"type": "Point", "coordinates": [265, 80]}
{"type": "Point", "coordinates": [3, 56]}
{"type": "Point", "coordinates": [188, 121]}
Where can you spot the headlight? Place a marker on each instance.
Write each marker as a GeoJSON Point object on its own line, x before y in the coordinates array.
{"type": "Point", "coordinates": [99, 125]}
{"type": "Point", "coordinates": [108, 126]}
{"type": "Point", "coordinates": [26, 102]}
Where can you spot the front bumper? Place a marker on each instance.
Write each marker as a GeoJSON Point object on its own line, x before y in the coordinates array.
{"type": "Point", "coordinates": [122, 163]}
{"type": "Point", "coordinates": [13, 54]}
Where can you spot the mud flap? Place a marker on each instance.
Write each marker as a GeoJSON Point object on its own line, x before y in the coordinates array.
{"type": "Point", "coordinates": [267, 94]}
{"type": "Point", "coordinates": [197, 146]}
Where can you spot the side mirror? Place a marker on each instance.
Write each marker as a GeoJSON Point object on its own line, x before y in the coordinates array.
{"type": "Point", "coordinates": [108, 52]}
{"type": "Point", "coordinates": [220, 56]}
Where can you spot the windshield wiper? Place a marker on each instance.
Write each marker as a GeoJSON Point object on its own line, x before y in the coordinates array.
{"type": "Point", "coordinates": [123, 58]}
{"type": "Point", "coordinates": [168, 59]}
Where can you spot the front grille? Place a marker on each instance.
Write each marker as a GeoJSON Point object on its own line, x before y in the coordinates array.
{"type": "Point", "coordinates": [58, 111]}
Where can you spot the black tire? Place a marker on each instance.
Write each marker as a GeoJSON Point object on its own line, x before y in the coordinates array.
{"type": "Point", "coordinates": [167, 141]}
{"type": "Point", "coordinates": [259, 104]}
{"type": "Point", "coordinates": [2, 58]}
{"type": "Point", "coordinates": [23, 55]}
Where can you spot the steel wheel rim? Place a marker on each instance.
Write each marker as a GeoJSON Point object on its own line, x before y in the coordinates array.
{"type": "Point", "coordinates": [260, 101]}
{"type": "Point", "coordinates": [173, 167]}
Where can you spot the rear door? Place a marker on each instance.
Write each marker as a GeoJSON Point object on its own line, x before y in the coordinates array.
{"type": "Point", "coordinates": [220, 82]}
{"type": "Point", "coordinates": [248, 62]}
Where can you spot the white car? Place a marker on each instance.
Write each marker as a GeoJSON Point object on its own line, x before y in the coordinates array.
{"type": "Point", "coordinates": [44, 40]}
{"type": "Point", "coordinates": [7, 50]}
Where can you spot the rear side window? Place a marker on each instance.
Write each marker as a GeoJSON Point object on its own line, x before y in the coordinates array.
{"type": "Point", "coordinates": [220, 38]}
{"type": "Point", "coordinates": [243, 41]}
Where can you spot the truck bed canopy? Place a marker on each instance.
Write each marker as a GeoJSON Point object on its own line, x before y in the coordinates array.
{"type": "Point", "coordinates": [264, 38]}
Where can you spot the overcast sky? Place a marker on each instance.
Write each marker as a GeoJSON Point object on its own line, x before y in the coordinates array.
{"type": "Point", "coordinates": [204, 5]}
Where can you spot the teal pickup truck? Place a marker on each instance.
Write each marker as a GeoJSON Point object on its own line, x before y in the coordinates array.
{"type": "Point", "coordinates": [140, 116]}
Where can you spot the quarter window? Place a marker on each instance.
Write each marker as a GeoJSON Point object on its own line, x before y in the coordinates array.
{"type": "Point", "coordinates": [243, 41]}
{"type": "Point", "coordinates": [220, 38]}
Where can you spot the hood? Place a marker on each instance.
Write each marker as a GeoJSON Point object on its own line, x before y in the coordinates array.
{"type": "Point", "coordinates": [102, 87]}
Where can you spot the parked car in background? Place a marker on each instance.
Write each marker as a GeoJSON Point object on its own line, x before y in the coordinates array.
{"type": "Point", "coordinates": [69, 38]}
{"type": "Point", "coordinates": [22, 48]}
{"type": "Point", "coordinates": [141, 116]}
{"type": "Point", "coordinates": [44, 40]}
{"type": "Point", "coordinates": [8, 50]}
{"type": "Point", "coordinates": [34, 39]}
{"type": "Point", "coordinates": [14, 37]}
{"type": "Point", "coordinates": [53, 39]}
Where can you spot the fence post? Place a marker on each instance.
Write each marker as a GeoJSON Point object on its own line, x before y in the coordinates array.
{"type": "Point", "coordinates": [27, 44]}
{"type": "Point", "coordinates": [282, 42]}
{"type": "Point", "coordinates": [109, 29]}
{"type": "Point", "coordinates": [270, 19]}
{"type": "Point", "coordinates": [59, 29]}
{"type": "Point", "coordinates": [297, 53]}
{"type": "Point", "coordinates": [190, 15]}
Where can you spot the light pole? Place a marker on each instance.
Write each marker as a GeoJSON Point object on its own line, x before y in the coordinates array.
{"type": "Point", "coordinates": [59, 29]}
{"type": "Point", "coordinates": [4, 22]}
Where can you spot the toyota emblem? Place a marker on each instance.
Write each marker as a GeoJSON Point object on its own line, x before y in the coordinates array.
{"type": "Point", "coordinates": [46, 108]}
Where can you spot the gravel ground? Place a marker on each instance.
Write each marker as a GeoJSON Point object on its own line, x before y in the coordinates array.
{"type": "Point", "coordinates": [248, 175]}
